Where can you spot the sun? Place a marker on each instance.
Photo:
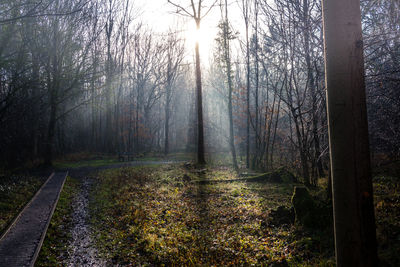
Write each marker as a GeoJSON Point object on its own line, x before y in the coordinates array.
{"type": "Point", "coordinates": [204, 36]}
{"type": "Point", "coordinates": [194, 35]}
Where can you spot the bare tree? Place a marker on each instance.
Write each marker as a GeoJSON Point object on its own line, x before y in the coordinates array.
{"type": "Point", "coordinates": [245, 7]}
{"type": "Point", "coordinates": [226, 35]}
{"type": "Point", "coordinates": [174, 58]}
{"type": "Point", "coordinates": [197, 15]}
{"type": "Point", "coordinates": [64, 77]}
{"type": "Point", "coordinates": [32, 9]}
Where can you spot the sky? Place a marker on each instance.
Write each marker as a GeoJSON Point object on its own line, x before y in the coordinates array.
{"type": "Point", "coordinates": [160, 16]}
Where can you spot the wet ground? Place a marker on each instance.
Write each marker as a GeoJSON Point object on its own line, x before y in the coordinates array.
{"type": "Point", "coordinates": [82, 249]}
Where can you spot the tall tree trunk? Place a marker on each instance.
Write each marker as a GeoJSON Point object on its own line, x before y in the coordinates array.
{"type": "Point", "coordinates": [53, 99]}
{"type": "Point", "coordinates": [137, 134]}
{"type": "Point", "coordinates": [53, 91]}
{"type": "Point", "coordinates": [108, 141]}
{"type": "Point", "coordinates": [200, 130]}
{"type": "Point", "coordinates": [166, 126]}
{"type": "Point", "coordinates": [48, 157]}
{"type": "Point", "coordinates": [355, 236]}
{"type": "Point", "coordinates": [36, 107]}
{"type": "Point", "coordinates": [230, 86]}
{"type": "Point", "coordinates": [302, 148]}
{"type": "Point", "coordinates": [276, 127]}
{"type": "Point", "coordinates": [256, 67]}
{"type": "Point", "coordinates": [93, 102]}
{"type": "Point", "coordinates": [246, 16]}
{"type": "Point", "coordinates": [311, 83]}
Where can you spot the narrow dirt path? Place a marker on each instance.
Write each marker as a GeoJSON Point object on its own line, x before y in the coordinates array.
{"type": "Point", "coordinates": [83, 251]}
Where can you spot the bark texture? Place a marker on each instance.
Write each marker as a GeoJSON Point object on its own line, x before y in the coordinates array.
{"type": "Point", "coordinates": [355, 237]}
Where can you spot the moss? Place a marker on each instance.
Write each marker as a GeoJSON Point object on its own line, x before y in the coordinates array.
{"type": "Point", "coordinates": [304, 207]}
{"type": "Point", "coordinates": [281, 175]}
{"type": "Point", "coordinates": [311, 211]}
{"type": "Point", "coordinates": [85, 163]}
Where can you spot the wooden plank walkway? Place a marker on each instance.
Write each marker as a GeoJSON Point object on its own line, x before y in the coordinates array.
{"type": "Point", "coordinates": [21, 243]}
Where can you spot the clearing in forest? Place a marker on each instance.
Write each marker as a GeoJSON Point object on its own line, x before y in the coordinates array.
{"type": "Point", "coordinates": [166, 215]}
{"type": "Point", "coordinates": [178, 214]}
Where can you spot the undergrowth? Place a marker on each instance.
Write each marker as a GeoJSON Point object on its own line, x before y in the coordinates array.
{"type": "Point", "coordinates": [387, 214]}
{"type": "Point", "coordinates": [164, 216]}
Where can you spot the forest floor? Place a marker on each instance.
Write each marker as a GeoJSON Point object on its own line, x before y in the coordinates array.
{"type": "Point", "coordinates": [69, 239]}
{"type": "Point", "coordinates": [167, 214]}
{"type": "Point", "coordinates": [171, 215]}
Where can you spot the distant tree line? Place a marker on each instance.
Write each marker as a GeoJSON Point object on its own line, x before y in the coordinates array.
{"type": "Point", "coordinates": [88, 75]}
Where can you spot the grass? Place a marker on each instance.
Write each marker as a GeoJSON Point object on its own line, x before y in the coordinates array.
{"type": "Point", "coordinates": [15, 192]}
{"type": "Point", "coordinates": [85, 159]}
{"type": "Point", "coordinates": [55, 246]}
{"type": "Point", "coordinates": [175, 156]}
{"type": "Point", "coordinates": [158, 216]}
{"type": "Point", "coordinates": [85, 163]}
{"type": "Point", "coordinates": [162, 215]}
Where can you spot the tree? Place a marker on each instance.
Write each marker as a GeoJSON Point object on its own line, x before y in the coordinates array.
{"type": "Point", "coordinates": [380, 22]}
{"type": "Point", "coordinates": [226, 35]}
{"type": "Point", "coordinates": [354, 221]}
{"type": "Point", "coordinates": [31, 9]}
{"type": "Point", "coordinates": [245, 11]}
{"type": "Point", "coordinates": [197, 15]}
{"type": "Point", "coordinates": [174, 58]}
{"type": "Point", "coordinates": [311, 85]}
{"type": "Point", "coordinates": [256, 82]}
{"type": "Point", "coordinates": [64, 76]}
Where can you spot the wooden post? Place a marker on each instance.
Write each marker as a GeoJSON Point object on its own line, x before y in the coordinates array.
{"type": "Point", "coordinates": [355, 235]}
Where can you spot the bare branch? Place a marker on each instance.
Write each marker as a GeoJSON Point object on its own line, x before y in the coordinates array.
{"type": "Point", "coordinates": [180, 8]}
{"type": "Point", "coordinates": [209, 9]}
{"type": "Point", "coordinates": [33, 13]}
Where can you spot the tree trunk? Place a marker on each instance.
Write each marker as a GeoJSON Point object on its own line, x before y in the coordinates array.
{"type": "Point", "coordinates": [355, 236]}
{"type": "Point", "coordinates": [256, 68]}
{"type": "Point", "coordinates": [36, 108]}
{"type": "Point", "coordinates": [312, 85]}
{"type": "Point", "coordinates": [166, 127]}
{"type": "Point", "coordinates": [108, 142]}
{"type": "Point", "coordinates": [247, 94]}
{"type": "Point", "coordinates": [48, 157]}
{"type": "Point", "coordinates": [53, 90]}
{"type": "Point", "coordinates": [200, 131]}
{"type": "Point", "coordinates": [230, 86]}
{"type": "Point", "coordinates": [302, 148]}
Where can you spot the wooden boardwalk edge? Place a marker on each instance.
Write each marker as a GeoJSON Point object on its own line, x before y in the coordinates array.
{"type": "Point", "coordinates": [22, 249]}
{"type": "Point", "coordinates": [25, 207]}
{"type": "Point", "coordinates": [39, 246]}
